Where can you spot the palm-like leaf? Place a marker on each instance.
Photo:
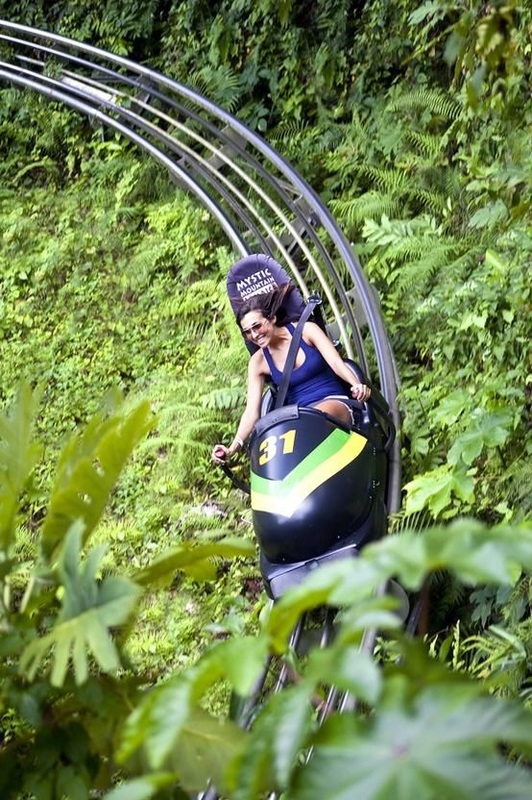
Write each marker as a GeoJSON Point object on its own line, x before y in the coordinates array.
{"type": "Point", "coordinates": [90, 609]}
{"type": "Point", "coordinates": [444, 747]}
{"type": "Point", "coordinates": [193, 559]}
{"type": "Point", "coordinates": [18, 456]}
{"type": "Point", "coordinates": [88, 469]}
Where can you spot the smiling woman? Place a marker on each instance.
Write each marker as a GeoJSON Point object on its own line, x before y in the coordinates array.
{"type": "Point", "coordinates": [254, 330]}
{"type": "Point", "coordinates": [320, 378]}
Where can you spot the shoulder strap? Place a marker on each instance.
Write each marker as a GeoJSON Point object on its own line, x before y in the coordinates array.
{"type": "Point", "coordinates": [313, 301]}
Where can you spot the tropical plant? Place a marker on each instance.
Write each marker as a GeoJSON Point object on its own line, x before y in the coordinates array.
{"type": "Point", "coordinates": [66, 682]}
{"type": "Point", "coordinates": [428, 730]}
{"type": "Point", "coordinates": [123, 26]}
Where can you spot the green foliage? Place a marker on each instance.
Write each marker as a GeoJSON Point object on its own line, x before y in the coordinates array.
{"type": "Point", "coordinates": [413, 123]}
{"type": "Point", "coordinates": [117, 25]}
{"type": "Point", "coordinates": [66, 683]}
{"type": "Point", "coordinates": [271, 49]}
{"type": "Point", "coordinates": [90, 291]}
{"type": "Point", "coordinates": [501, 657]}
{"type": "Point", "coordinates": [393, 756]}
{"type": "Point", "coordinates": [433, 184]}
{"type": "Point", "coordinates": [87, 471]}
{"type": "Point", "coordinates": [18, 457]}
{"type": "Point", "coordinates": [419, 709]}
{"type": "Point", "coordinates": [90, 608]}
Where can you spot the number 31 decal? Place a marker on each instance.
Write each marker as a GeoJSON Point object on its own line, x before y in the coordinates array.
{"type": "Point", "coordinates": [268, 447]}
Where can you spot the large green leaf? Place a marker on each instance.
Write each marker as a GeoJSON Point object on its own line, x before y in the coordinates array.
{"type": "Point", "coordinates": [488, 430]}
{"type": "Point", "coordinates": [347, 668]}
{"type": "Point", "coordinates": [18, 456]}
{"type": "Point", "coordinates": [174, 732]}
{"type": "Point", "coordinates": [451, 408]}
{"type": "Point", "coordinates": [474, 552]}
{"type": "Point", "coordinates": [240, 661]}
{"type": "Point", "coordinates": [444, 747]}
{"type": "Point", "coordinates": [204, 749]}
{"type": "Point", "coordinates": [358, 577]}
{"type": "Point", "coordinates": [278, 735]}
{"type": "Point", "coordinates": [292, 712]}
{"type": "Point", "coordinates": [190, 557]}
{"type": "Point", "coordinates": [144, 788]}
{"type": "Point", "coordinates": [157, 724]}
{"type": "Point", "coordinates": [87, 472]}
{"type": "Point", "coordinates": [437, 488]}
{"type": "Point", "coordinates": [91, 607]}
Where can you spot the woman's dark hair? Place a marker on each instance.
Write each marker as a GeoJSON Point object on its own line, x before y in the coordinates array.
{"type": "Point", "coordinates": [270, 304]}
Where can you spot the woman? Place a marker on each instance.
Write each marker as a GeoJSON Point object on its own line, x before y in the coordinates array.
{"type": "Point", "coordinates": [317, 369]}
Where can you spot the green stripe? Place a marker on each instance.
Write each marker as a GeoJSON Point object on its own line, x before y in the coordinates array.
{"type": "Point", "coordinates": [331, 445]}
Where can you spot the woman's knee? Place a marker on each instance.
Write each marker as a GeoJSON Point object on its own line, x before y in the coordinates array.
{"type": "Point", "coordinates": [336, 409]}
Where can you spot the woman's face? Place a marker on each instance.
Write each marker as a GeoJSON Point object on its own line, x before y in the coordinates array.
{"type": "Point", "coordinates": [256, 328]}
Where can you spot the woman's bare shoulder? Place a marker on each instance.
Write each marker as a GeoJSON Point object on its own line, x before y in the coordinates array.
{"type": "Point", "coordinates": [257, 363]}
{"type": "Point", "coordinates": [311, 326]}
{"type": "Point", "coordinates": [310, 331]}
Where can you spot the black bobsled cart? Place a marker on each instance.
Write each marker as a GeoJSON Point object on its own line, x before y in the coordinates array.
{"type": "Point", "coordinates": [317, 487]}
{"type": "Point", "coordinates": [318, 492]}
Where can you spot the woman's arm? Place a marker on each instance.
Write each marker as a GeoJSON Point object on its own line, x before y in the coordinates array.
{"type": "Point", "coordinates": [313, 335]}
{"type": "Point", "coordinates": [251, 412]}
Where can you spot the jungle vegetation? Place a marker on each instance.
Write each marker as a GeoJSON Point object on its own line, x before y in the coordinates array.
{"type": "Point", "coordinates": [131, 603]}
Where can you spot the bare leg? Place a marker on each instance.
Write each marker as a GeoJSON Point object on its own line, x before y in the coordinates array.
{"type": "Point", "coordinates": [336, 409]}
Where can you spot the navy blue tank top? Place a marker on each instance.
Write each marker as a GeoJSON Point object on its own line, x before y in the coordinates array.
{"type": "Point", "coordinates": [312, 381]}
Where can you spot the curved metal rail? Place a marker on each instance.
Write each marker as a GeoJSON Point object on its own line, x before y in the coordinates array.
{"type": "Point", "coordinates": [259, 200]}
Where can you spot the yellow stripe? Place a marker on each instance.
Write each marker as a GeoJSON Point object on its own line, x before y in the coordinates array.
{"type": "Point", "coordinates": [286, 506]}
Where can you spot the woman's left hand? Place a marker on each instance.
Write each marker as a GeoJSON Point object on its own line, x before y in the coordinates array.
{"type": "Point", "coordinates": [359, 391]}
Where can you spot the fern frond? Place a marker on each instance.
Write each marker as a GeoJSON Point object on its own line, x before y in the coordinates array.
{"type": "Point", "coordinates": [371, 205]}
{"type": "Point", "coordinates": [518, 604]}
{"type": "Point", "coordinates": [520, 475]}
{"type": "Point", "coordinates": [344, 161]}
{"type": "Point", "coordinates": [397, 523]}
{"type": "Point", "coordinates": [221, 85]}
{"type": "Point", "coordinates": [388, 180]}
{"type": "Point", "coordinates": [462, 263]}
{"type": "Point", "coordinates": [358, 129]}
{"type": "Point", "coordinates": [390, 233]}
{"type": "Point", "coordinates": [191, 301]}
{"type": "Point", "coordinates": [288, 130]}
{"type": "Point", "coordinates": [152, 184]}
{"type": "Point", "coordinates": [430, 145]}
{"type": "Point", "coordinates": [501, 656]}
{"type": "Point", "coordinates": [440, 104]}
{"type": "Point", "coordinates": [430, 200]}
{"type": "Point", "coordinates": [416, 275]}
{"type": "Point", "coordinates": [418, 272]}
{"type": "Point", "coordinates": [329, 139]}
{"type": "Point", "coordinates": [225, 399]}
{"type": "Point", "coordinates": [409, 250]}
{"type": "Point", "coordinates": [447, 593]}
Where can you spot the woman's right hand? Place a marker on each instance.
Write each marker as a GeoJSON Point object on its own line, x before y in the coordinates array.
{"type": "Point", "coordinates": [219, 454]}
{"type": "Point", "coordinates": [359, 391]}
